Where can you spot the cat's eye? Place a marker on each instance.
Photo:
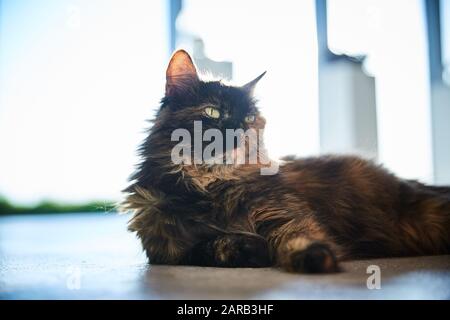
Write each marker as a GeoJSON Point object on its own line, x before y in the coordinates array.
{"type": "Point", "coordinates": [250, 118]}
{"type": "Point", "coordinates": [212, 112]}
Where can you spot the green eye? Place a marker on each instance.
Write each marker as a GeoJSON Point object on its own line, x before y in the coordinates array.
{"type": "Point", "coordinates": [250, 118]}
{"type": "Point", "coordinates": [212, 112]}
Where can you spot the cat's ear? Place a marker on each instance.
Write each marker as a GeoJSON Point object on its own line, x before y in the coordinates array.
{"type": "Point", "coordinates": [181, 73]}
{"type": "Point", "coordinates": [249, 87]}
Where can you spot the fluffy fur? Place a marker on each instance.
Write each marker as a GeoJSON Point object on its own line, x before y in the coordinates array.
{"type": "Point", "coordinates": [312, 214]}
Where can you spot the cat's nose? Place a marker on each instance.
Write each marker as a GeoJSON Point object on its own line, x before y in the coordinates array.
{"type": "Point", "coordinates": [230, 123]}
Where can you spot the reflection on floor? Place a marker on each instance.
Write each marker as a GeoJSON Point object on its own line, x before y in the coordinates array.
{"type": "Point", "coordinates": [92, 256]}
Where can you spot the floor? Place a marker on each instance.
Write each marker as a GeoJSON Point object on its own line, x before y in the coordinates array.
{"type": "Point", "coordinates": [92, 256]}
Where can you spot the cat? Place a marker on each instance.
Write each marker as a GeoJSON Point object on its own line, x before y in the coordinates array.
{"type": "Point", "coordinates": [307, 217]}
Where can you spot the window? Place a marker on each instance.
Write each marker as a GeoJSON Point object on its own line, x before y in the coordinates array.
{"type": "Point", "coordinates": [393, 36]}
{"type": "Point", "coordinates": [78, 78]}
{"type": "Point", "coordinates": [255, 36]}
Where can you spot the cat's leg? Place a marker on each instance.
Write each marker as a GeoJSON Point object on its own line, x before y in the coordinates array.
{"type": "Point", "coordinates": [300, 253]}
{"type": "Point", "coordinates": [303, 247]}
{"type": "Point", "coordinates": [231, 250]}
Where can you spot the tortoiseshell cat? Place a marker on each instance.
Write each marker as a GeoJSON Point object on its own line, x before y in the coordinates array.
{"type": "Point", "coordinates": [313, 213]}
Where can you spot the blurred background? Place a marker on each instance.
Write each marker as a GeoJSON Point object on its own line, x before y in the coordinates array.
{"type": "Point", "coordinates": [79, 78]}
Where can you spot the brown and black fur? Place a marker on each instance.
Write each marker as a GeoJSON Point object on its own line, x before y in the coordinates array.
{"type": "Point", "coordinates": [313, 213]}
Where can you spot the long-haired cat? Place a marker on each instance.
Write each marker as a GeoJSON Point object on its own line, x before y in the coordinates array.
{"type": "Point", "coordinates": [308, 216]}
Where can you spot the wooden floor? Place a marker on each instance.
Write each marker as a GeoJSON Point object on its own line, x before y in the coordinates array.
{"type": "Point", "coordinates": [92, 256]}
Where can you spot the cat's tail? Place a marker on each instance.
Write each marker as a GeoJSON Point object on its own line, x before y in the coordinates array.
{"type": "Point", "coordinates": [425, 220]}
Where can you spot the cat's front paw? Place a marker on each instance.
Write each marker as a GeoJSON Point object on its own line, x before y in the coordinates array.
{"type": "Point", "coordinates": [315, 258]}
{"type": "Point", "coordinates": [242, 251]}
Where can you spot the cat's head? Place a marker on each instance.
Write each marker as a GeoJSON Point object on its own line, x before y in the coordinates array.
{"type": "Point", "coordinates": [213, 105]}
{"type": "Point", "coordinates": [217, 105]}
{"type": "Point", "coordinates": [201, 116]}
